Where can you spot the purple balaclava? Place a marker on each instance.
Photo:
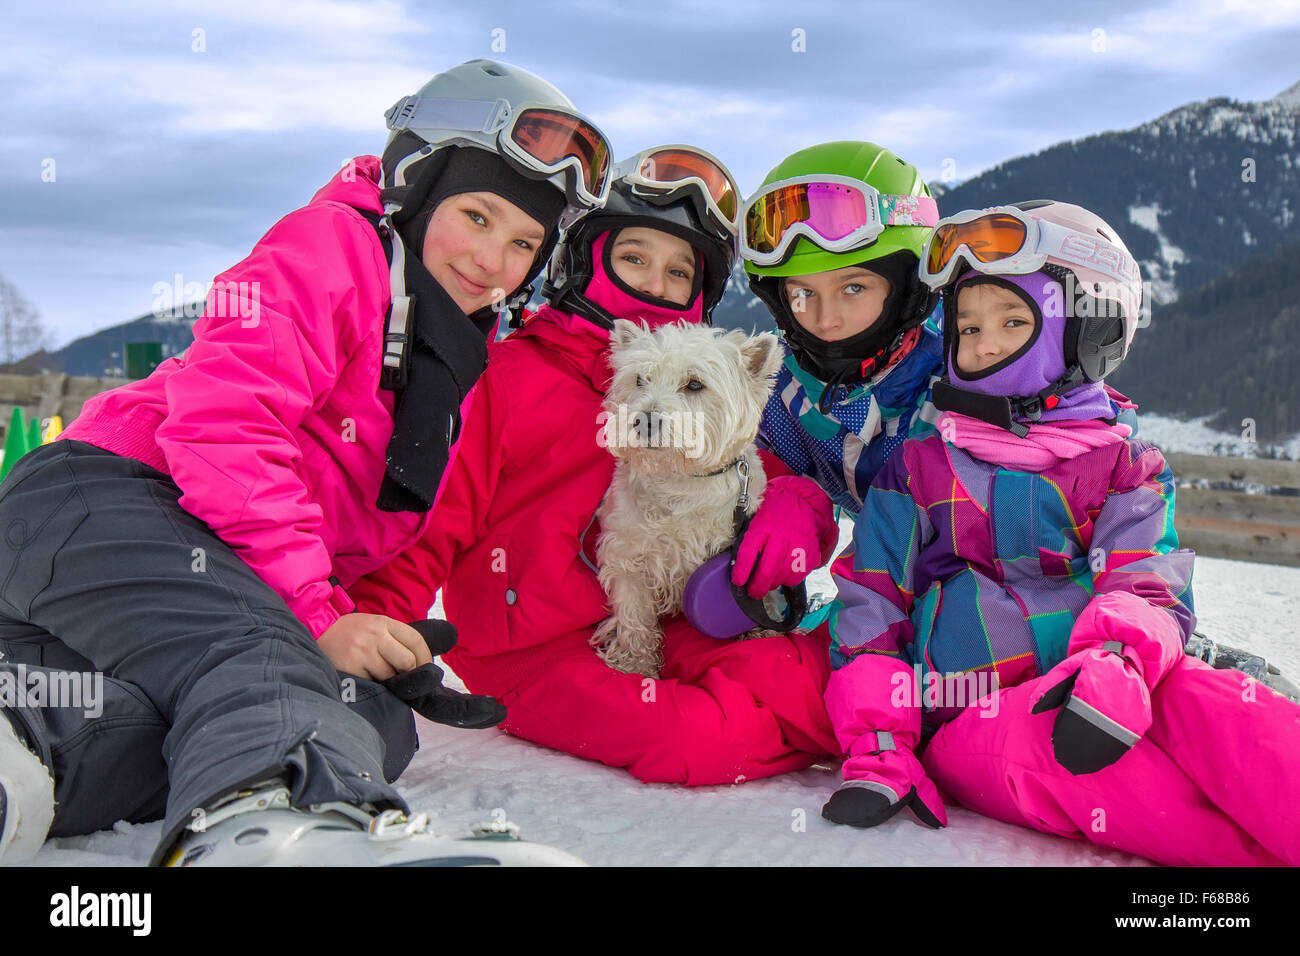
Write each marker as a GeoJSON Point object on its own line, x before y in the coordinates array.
{"type": "Point", "coordinates": [1040, 361]}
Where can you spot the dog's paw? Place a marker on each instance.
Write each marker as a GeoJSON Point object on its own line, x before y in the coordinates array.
{"type": "Point", "coordinates": [604, 634]}
{"type": "Point", "coordinates": [621, 659]}
{"type": "Point", "coordinates": [631, 656]}
{"type": "Point", "coordinates": [625, 665]}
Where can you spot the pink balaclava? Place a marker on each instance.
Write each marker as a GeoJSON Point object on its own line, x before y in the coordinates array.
{"type": "Point", "coordinates": [621, 301]}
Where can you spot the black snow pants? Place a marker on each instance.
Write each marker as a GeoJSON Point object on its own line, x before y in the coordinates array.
{"type": "Point", "coordinates": [206, 680]}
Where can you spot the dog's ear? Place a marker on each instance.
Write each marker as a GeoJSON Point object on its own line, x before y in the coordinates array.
{"type": "Point", "coordinates": [623, 333]}
{"type": "Point", "coordinates": [762, 355]}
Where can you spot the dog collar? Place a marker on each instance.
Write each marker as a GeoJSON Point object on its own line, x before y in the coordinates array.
{"type": "Point", "coordinates": [742, 503]}
{"type": "Point", "coordinates": [727, 467]}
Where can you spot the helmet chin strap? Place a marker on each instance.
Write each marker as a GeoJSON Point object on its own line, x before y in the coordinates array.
{"type": "Point", "coordinates": [515, 306]}
{"type": "Point", "coordinates": [396, 334]}
{"type": "Point", "coordinates": [1000, 410]}
{"type": "Point", "coordinates": [841, 379]}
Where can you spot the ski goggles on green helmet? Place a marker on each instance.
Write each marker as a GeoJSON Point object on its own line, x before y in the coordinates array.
{"type": "Point", "coordinates": [837, 213]}
{"type": "Point", "coordinates": [661, 175]}
{"type": "Point", "coordinates": [1004, 240]}
{"type": "Point", "coordinates": [535, 139]}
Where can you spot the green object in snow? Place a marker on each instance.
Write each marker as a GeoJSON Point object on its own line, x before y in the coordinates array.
{"type": "Point", "coordinates": [17, 441]}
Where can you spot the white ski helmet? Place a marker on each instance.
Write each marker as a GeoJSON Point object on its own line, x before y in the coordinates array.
{"type": "Point", "coordinates": [482, 104]}
{"type": "Point", "coordinates": [501, 108]}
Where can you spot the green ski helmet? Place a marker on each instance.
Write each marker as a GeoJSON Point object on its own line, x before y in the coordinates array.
{"type": "Point", "coordinates": [785, 233]}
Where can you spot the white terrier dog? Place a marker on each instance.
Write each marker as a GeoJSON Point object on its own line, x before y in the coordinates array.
{"type": "Point", "coordinates": [681, 415]}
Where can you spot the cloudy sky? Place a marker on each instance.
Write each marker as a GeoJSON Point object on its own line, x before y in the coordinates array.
{"type": "Point", "coordinates": [180, 131]}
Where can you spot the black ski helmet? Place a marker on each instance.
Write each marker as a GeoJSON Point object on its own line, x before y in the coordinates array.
{"type": "Point", "coordinates": [572, 268]}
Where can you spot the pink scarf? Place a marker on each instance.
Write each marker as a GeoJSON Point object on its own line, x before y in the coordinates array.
{"type": "Point", "coordinates": [1045, 445]}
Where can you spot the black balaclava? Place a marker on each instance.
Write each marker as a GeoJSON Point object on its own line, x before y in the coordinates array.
{"type": "Point", "coordinates": [448, 351]}
{"type": "Point", "coordinates": [844, 361]}
{"type": "Point", "coordinates": [470, 170]}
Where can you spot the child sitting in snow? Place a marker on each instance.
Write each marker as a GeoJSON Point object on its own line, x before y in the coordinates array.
{"type": "Point", "coordinates": [1017, 586]}
{"type": "Point", "coordinates": [516, 521]}
{"type": "Point", "coordinates": [192, 534]}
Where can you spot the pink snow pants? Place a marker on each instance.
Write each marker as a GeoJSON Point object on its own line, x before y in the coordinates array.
{"type": "Point", "coordinates": [1215, 781]}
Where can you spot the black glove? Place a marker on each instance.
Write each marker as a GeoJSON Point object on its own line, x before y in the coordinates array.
{"type": "Point", "coordinates": [860, 807]}
{"type": "Point", "coordinates": [422, 687]}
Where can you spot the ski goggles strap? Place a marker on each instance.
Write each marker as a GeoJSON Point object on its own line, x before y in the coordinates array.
{"type": "Point", "coordinates": [536, 139]}
{"type": "Point", "coordinates": [1004, 240]}
{"type": "Point", "coordinates": [417, 112]}
{"type": "Point", "coordinates": [664, 172]}
{"type": "Point", "coordinates": [837, 213]}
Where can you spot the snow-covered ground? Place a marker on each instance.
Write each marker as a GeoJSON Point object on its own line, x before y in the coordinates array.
{"type": "Point", "coordinates": [608, 818]}
{"type": "Point", "coordinates": [1195, 437]}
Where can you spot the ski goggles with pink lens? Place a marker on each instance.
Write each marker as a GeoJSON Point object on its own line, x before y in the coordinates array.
{"type": "Point", "coordinates": [836, 213]}
{"type": "Point", "coordinates": [660, 175]}
{"type": "Point", "coordinates": [1004, 240]}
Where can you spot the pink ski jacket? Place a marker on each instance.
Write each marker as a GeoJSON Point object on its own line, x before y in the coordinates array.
{"type": "Point", "coordinates": [272, 423]}
{"type": "Point", "coordinates": [518, 505]}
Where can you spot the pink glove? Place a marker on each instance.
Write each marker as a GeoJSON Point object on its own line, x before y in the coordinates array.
{"type": "Point", "coordinates": [879, 735]}
{"type": "Point", "coordinates": [874, 780]}
{"type": "Point", "coordinates": [792, 533]}
{"type": "Point", "coordinates": [1120, 649]}
{"type": "Point", "coordinates": [1105, 706]}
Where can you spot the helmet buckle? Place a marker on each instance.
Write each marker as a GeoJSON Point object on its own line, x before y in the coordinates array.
{"type": "Point", "coordinates": [396, 341]}
{"type": "Point", "coordinates": [1030, 408]}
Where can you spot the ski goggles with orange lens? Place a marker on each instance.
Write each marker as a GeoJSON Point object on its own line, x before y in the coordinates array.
{"type": "Point", "coordinates": [1004, 240]}
{"type": "Point", "coordinates": [536, 139]}
{"type": "Point", "coordinates": [554, 140]}
{"type": "Point", "coordinates": [662, 173]}
{"type": "Point", "coordinates": [836, 213]}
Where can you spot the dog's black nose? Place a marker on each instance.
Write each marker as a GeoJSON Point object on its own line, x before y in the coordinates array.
{"type": "Point", "coordinates": [649, 428]}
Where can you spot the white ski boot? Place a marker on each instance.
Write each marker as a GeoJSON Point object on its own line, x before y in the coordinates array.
{"type": "Point", "coordinates": [26, 798]}
{"type": "Point", "coordinates": [260, 828]}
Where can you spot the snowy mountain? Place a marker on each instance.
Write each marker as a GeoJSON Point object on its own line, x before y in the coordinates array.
{"type": "Point", "coordinates": [740, 308]}
{"type": "Point", "coordinates": [1192, 192]}
{"type": "Point", "coordinates": [102, 353]}
{"type": "Point", "coordinates": [1207, 197]}
{"type": "Point", "coordinates": [1228, 352]}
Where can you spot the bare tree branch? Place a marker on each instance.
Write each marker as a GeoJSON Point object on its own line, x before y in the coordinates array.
{"type": "Point", "coordinates": [21, 330]}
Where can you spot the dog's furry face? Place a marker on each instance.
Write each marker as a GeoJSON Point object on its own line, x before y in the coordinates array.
{"type": "Point", "coordinates": [686, 398]}
{"type": "Point", "coordinates": [684, 404]}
